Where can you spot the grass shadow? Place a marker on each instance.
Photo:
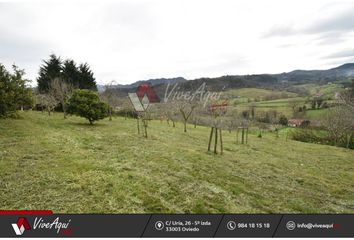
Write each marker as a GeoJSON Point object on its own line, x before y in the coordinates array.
{"type": "Point", "coordinates": [87, 125]}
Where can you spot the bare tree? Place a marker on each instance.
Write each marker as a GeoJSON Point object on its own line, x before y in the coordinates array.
{"type": "Point", "coordinates": [197, 114]}
{"type": "Point", "coordinates": [143, 119]}
{"type": "Point", "coordinates": [48, 101]}
{"type": "Point", "coordinates": [340, 125]}
{"type": "Point", "coordinates": [252, 110]}
{"type": "Point", "coordinates": [347, 98]}
{"type": "Point", "coordinates": [216, 112]}
{"type": "Point", "coordinates": [61, 92]}
{"type": "Point", "coordinates": [186, 109]}
{"type": "Point", "coordinates": [243, 126]}
{"type": "Point", "coordinates": [109, 96]}
{"type": "Point", "coordinates": [232, 120]}
{"type": "Point", "coordinates": [340, 119]}
{"type": "Point", "coordinates": [171, 111]}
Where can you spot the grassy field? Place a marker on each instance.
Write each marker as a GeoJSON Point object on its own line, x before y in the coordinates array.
{"type": "Point", "coordinates": [259, 93]}
{"type": "Point", "coordinates": [243, 98]}
{"type": "Point", "coordinates": [316, 114]}
{"type": "Point", "coordinates": [280, 105]}
{"type": "Point", "coordinates": [69, 166]}
{"type": "Point", "coordinates": [328, 91]}
{"type": "Point", "coordinates": [245, 95]}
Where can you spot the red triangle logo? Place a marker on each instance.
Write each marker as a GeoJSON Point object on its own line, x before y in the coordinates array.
{"type": "Point", "coordinates": [146, 88]}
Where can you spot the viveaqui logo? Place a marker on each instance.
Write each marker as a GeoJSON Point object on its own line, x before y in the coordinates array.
{"type": "Point", "coordinates": [21, 226]}
{"type": "Point", "coordinates": [144, 95]}
{"type": "Point", "coordinates": [41, 224]}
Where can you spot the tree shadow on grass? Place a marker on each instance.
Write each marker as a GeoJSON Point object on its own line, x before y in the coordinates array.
{"type": "Point", "coordinates": [87, 124]}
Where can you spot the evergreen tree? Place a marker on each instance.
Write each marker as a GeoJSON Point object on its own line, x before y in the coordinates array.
{"type": "Point", "coordinates": [71, 74]}
{"type": "Point", "coordinates": [49, 70]}
{"type": "Point", "coordinates": [80, 77]}
{"type": "Point", "coordinates": [86, 103]}
{"type": "Point", "coordinates": [87, 81]}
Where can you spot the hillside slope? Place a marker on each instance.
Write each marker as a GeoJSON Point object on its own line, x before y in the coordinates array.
{"type": "Point", "coordinates": [70, 167]}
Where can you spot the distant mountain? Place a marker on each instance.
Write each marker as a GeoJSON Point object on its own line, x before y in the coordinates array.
{"type": "Point", "coordinates": [346, 66]}
{"type": "Point", "coordinates": [153, 82]}
{"type": "Point", "coordinates": [320, 76]}
{"type": "Point", "coordinates": [339, 74]}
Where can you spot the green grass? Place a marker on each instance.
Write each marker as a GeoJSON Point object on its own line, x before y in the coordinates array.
{"type": "Point", "coordinates": [245, 95]}
{"type": "Point", "coordinates": [279, 102]}
{"type": "Point", "coordinates": [243, 98]}
{"type": "Point", "coordinates": [316, 114]}
{"type": "Point", "coordinates": [259, 93]}
{"type": "Point", "coordinates": [69, 166]}
{"type": "Point", "coordinates": [327, 90]}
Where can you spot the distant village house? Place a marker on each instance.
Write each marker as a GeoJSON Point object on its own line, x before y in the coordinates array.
{"type": "Point", "coordinates": [298, 122]}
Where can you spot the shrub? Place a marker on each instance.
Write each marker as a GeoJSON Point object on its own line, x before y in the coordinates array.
{"type": "Point", "coordinates": [14, 92]}
{"type": "Point", "coordinates": [127, 113]}
{"type": "Point", "coordinates": [306, 135]}
{"type": "Point", "coordinates": [283, 120]}
{"type": "Point", "coordinates": [320, 137]}
{"type": "Point", "coordinates": [86, 103]}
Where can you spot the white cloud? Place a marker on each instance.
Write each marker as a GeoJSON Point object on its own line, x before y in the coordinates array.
{"type": "Point", "coordinates": [132, 40]}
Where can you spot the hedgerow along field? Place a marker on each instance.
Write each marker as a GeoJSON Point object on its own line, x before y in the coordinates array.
{"type": "Point", "coordinates": [68, 166]}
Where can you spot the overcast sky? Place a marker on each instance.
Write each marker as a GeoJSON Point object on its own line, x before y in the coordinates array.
{"type": "Point", "coordinates": [132, 40]}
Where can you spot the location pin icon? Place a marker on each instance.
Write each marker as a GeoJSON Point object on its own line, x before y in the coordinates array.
{"type": "Point", "coordinates": [159, 225]}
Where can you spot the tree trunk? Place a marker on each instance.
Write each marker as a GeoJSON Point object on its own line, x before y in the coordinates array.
{"type": "Point", "coordinates": [286, 135]}
{"type": "Point", "coordinates": [64, 110]}
{"type": "Point", "coordinates": [246, 135]}
{"type": "Point", "coordinates": [145, 127]}
{"type": "Point", "coordinates": [237, 135]}
{"type": "Point", "coordinates": [110, 114]}
{"type": "Point", "coordinates": [185, 126]}
{"type": "Point", "coordinates": [349, 139]}
{"type": "Point", "coordinates": [221, 145]}
{"type": "Point", "coordinates": [210, 138]}
{"type": "Point", "coordinates": [216, 140]}
{"type": "Point", "coordinates": [243, 136]}
{"type": "Point", "coordinates": [137, 124]}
